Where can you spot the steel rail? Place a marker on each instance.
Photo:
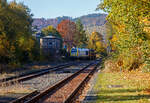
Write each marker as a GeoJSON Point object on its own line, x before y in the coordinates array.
{"type": "Point", "coordinates": [54, 88]}
{"type": "Point", "coordinates": [70, 99]}
{"type": "Point", "coordinates": [22, 75]}
{"type": "Point", "coordinates": [33, 75]}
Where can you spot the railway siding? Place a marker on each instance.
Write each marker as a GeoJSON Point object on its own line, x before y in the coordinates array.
{"type": "Point", "coordinates": [65, 90]}
{"type": "Point", "coordinates": [43, 81]}
{"type": "Point", "coordinates": [64, 93]}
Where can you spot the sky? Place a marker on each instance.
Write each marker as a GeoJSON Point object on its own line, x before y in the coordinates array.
{"type": "Point", "coordinates": [55, 8]}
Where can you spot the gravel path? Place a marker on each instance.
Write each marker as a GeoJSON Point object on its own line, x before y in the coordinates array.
{"type": "Point", "coordinates": [40, 83]}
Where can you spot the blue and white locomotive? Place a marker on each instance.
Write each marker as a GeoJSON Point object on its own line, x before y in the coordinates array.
{"type": "Point", "coordinates": [82, 53]}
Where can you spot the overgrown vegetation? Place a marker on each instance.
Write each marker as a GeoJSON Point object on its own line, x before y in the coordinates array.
{"type": "Point", "coordinates": [16, 42]}
{"type": "Point", "coordinates": [129, 39]}
{"type": "Point", "coordinates": [125, 77]}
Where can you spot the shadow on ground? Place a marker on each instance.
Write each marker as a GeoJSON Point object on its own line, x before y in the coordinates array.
{"type": "Point", "coordinates": [121, 95]}
{"type": "Point", "coordinates": [122, 98]}
{"type": "Point", "coordinates": [119, 91]}
{"type": "Point", "coordinates": [95, 96]}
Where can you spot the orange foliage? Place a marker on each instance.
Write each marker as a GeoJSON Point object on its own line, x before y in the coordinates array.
{"type": "Point", "coordinates": [67, 30]}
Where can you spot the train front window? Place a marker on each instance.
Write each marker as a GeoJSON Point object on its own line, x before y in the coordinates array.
{"type": "Point", "coordinates": [73, 50]}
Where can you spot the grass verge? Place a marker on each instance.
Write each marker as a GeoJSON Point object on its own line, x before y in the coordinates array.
{"type": "Point", "coordinates": [127, 87]}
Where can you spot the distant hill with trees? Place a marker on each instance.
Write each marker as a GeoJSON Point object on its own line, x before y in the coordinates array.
{"type": "Point", "coordinates": [91, 21]}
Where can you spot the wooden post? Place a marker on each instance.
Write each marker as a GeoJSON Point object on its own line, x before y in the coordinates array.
{"type": "Point", "coordinates": [120, 63]}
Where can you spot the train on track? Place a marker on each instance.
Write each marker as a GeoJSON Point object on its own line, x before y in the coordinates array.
{"type": "Point", "coordinates": [82, 53]}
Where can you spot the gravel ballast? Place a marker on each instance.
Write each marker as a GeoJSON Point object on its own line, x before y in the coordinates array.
{"type": "Point", "coordinates": [40, 83]}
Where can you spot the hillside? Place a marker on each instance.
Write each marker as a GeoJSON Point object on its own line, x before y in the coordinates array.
{"type": "Point", "coordinates": [93, 19]}
{"type": "Point", "coordinates": [89, 21]}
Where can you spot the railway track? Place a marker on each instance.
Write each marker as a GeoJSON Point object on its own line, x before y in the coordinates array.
{"type": "Point", "coordinates": [12, 80]}
{"type": "Point", "coordinates": [64, 90]}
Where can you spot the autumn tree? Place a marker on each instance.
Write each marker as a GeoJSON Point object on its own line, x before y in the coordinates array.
{"type": "Point", "coordinates": [16, 42]}
{"type": "Point", "coordinates": [80, 37]}
{"type": "Point", "coordinates": [96, 42]}
{"type": "Point", "coordinates": [50, 30]}
{"type": "Point", "coordinates": [67, 30]}
{"type": "Point", "coordinates": [130, 37]}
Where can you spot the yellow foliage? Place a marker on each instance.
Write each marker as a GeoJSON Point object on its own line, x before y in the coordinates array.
{"type": "Point", "coordinates": [4, 45]}
{"type": "Point", "coordinates": [95, 42]}
{"type": "Point", "coordinates": [146, 26]}
{"type": "Point", "coordinates": [147, 29]}
{"type": "Point", "coordinates": [99, 44]}
{"type": "Point", "coordinates": [114, 38]}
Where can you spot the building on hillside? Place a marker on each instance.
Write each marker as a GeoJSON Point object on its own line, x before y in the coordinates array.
{"type": "Point", "coordinates": [50, 45]}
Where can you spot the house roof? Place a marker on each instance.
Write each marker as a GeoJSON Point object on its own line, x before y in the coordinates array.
{"type": "Point", "coordinates": [50, 37]}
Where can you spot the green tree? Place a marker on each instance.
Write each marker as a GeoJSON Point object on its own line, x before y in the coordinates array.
{"type": "Point", "coordinates": [16, 42]}
{"type": "Point", "coordinates": [50, 30]}
{"type": "Point", "coordinates": [81, 37]}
